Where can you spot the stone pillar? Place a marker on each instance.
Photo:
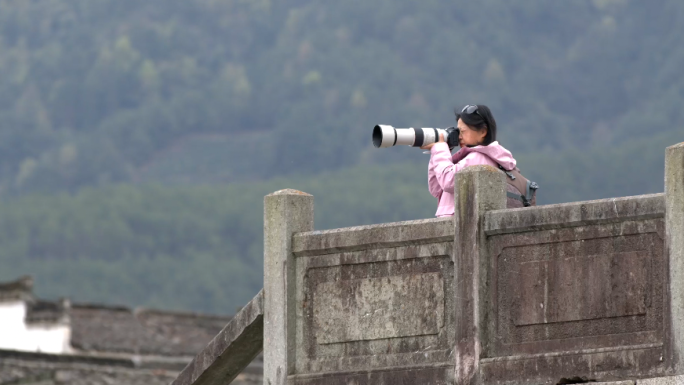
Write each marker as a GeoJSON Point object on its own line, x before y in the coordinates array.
{"type": "Point", "coordinates": [674, 246]}
{"type": "Point", "coordinates": [285, 212]}
{"type": "Point", "coordinates": [477, 189]}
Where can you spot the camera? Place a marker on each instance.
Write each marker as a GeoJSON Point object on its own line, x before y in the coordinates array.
{"type": "Point", "coordinates": [388, 136]}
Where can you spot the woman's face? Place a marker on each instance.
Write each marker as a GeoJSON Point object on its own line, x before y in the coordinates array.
{"type": "Point", "coordinates": [469, 137]}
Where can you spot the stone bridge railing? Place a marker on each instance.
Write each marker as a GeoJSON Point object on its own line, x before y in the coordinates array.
{"type": "Point", "coordinates": [543, 295]}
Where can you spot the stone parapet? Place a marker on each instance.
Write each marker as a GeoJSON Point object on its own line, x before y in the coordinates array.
{"type": "Point", "coordinates": [580, 290]}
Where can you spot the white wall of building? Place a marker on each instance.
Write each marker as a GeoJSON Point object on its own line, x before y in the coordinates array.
{"type": "Point", "coordinates": [16, 335]}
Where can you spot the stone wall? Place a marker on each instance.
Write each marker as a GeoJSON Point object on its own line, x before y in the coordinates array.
{"type": "Point", "coordinates": [363, 305]}
{"type": "Point", "coordinates": [579, 290]}
{"type": "Point", "coordinates": [374, 297]}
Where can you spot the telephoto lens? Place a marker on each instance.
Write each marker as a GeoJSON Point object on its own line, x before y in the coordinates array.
{"type": "Point", "coordinates": [388, 136]}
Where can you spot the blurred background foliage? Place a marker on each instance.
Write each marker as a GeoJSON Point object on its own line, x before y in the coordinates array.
{"type": "Point", "coordinates": [137, 139]}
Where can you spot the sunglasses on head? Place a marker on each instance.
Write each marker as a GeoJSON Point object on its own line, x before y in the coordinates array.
{"type": "Point", "coordinates": [471, 109]}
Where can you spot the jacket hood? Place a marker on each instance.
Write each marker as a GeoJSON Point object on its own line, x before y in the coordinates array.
{"type": "Point", "coordinates": [494, 150]}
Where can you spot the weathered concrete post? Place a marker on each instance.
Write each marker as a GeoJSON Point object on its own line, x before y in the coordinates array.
{"type": "Point", "coordinates": [674, 246]}
{"type": "Point", "coordinates": [285, 212]}
{"type": "Point", "coordinates": [477, 189]}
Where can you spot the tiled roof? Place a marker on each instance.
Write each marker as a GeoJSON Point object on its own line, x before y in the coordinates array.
{"type": "Point", "coordinates": [98, 328]}
{"type": "Point", "coordinates": [107, 339]}
{"type": "Point", "coordinates": [21, 289]}
{"type": "Point", "coordinates": [51, 312]}
{"type": "Point", "coordinates": [54, 369]}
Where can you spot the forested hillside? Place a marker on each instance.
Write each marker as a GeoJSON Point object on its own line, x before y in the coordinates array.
{"type": "Point", "coordinates": [112, 90]}
{"type": "Point", "coordinates": [184, 247]}
{"type": "Point", "coordinates": [137, 138]}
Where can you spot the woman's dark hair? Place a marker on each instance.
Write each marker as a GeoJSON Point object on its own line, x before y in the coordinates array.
{"type": "Point", "coordinates": [478, 120]}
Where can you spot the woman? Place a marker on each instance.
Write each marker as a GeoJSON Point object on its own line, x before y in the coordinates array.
{"type": "Point", "coordinates": [477, 139]}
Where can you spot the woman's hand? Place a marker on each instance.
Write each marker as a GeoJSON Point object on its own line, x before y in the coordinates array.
{"type": "Point", "coordinates": [429, 146]}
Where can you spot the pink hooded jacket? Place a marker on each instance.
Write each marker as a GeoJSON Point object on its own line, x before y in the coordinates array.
{"type": "Point", "coordinates": [443, 167]}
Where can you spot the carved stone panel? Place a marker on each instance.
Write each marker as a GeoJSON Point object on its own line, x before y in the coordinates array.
{"type": "Point", "coordinates": [378, 308]}
{"type": "Point", "coordinates": [578, 288]}
{"type": "Point", "coordinates": [582, 288]}
{"type": "Point", "coordinates": [373, 309]}
{"type": "Point", "coordinates": [587, 301]}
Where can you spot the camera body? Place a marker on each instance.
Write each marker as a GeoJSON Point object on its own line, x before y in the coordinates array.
{"type": "Point", "coordinates": [388, 136]}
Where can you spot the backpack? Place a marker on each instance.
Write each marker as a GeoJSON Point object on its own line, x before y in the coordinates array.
{"type": "Point", "coordinates": [520, 192]}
